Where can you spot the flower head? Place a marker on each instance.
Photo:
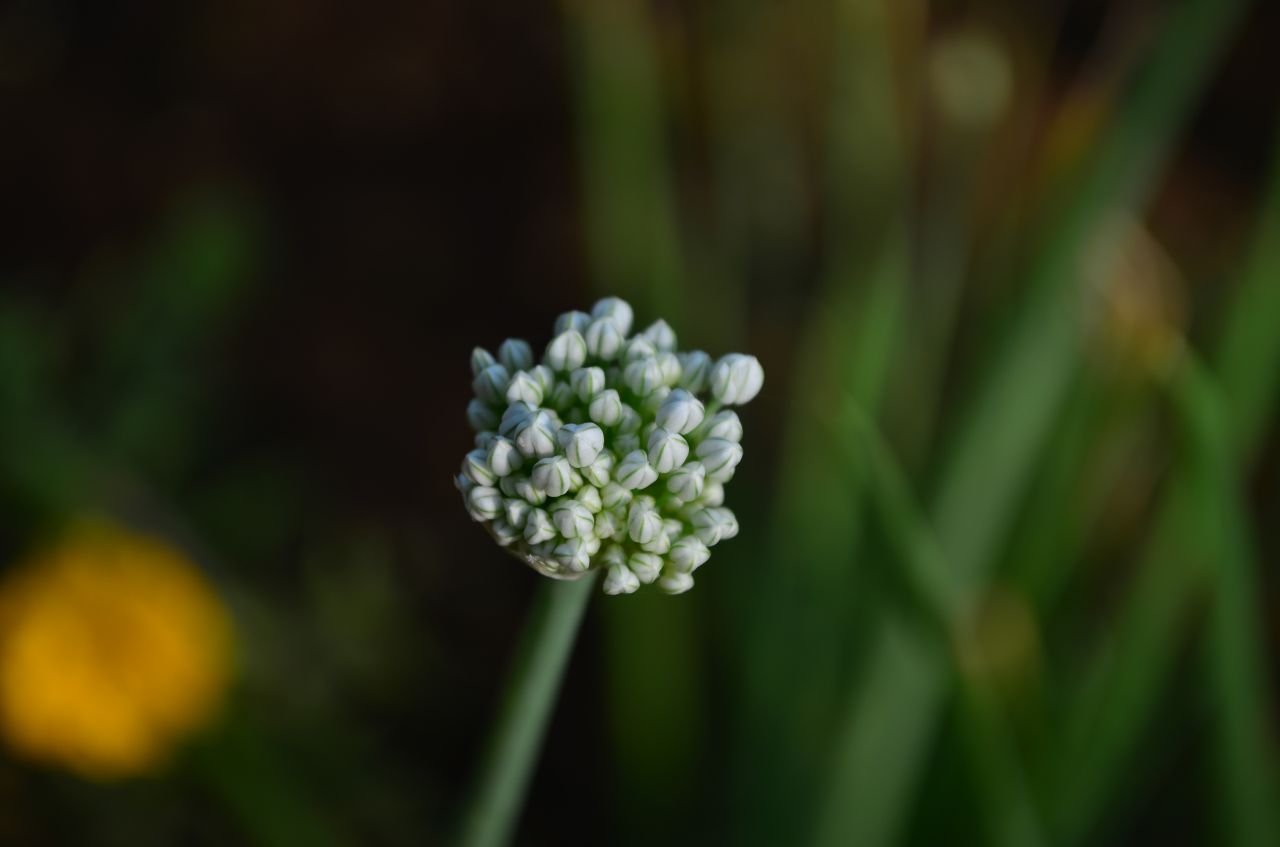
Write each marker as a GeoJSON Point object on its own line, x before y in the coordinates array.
{"type": "Point", "coordinates": [611, 454]}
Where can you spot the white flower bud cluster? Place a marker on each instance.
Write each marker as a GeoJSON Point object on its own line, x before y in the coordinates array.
{"type": "Point", "coordinates": [611, 453]}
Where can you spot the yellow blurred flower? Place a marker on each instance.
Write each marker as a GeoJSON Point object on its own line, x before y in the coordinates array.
{"type": "Point", "coordinates": [113, 647]}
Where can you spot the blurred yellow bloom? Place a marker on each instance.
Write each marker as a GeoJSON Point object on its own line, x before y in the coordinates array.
{"type": "Point", "coordinates": [113, 647]}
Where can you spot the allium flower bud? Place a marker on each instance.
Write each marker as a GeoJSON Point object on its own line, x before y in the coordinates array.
{"type": "Point", "coordinates": [475, 467]}
{"type": "Point", "coordinates": [574, 555]}
{"type": "Point", "coordinates": [552, 475]}
{"type": "Point", "coordinates": [614, 495]}
{"type": "Point", "coordinates": [669, 365]}
{"type": "Point", "coordinates": [643, 525]}
{"type": "Point", "coordinates": [606, 408]}
{"type": "Point", "coordinates": [581, 443]}
{"type": "Point", "coordinates": [503, 457]}
{"type": "Point", "coordinates": [490, 384]}
{"type": "Point", "coordinates": [634, 471]}
{"type": "Point", "coordinates": [695, 371]}
{"type": "Point", "coordinates": [604, 339]}
{"type": "Point", "coordinates": [567, 351]}
{"type": "Point", "coordinates": [675, 582]}
{"type": "Point", "coordinates": [661, 336]}
{"type": "Point", "coordinates": [524, 388]}
{"type": "Point", "coordinates": [536, 434]}
{"type": "Point", "coordinates": [646, 566]}
{"type": "Point", "coordinates": [720, 456]}
{"type": "Point", "coordinates": [577, 321]}
{"type": "Point", "coordinates": [572, 518]}
{"type": "Point", "coordinates": [667, 450]}
{"type": "Point", "coordinates": [485, 502]}
{"type": "Point", "coordinates": [724, 424]}
{"type": "Point", "coordinates": [480, 359]}
{"type": "Point", "coordinates": [566, 455]}
{"type": "Point", "coordinates": [516, 355]}
{"type": "Point", "coordinates": [587, 383]}
{"type": "Point", "coordinates": [589, 496]}
{"type": "Point", "coordinates": [643, 376]}
{"type": "Point", "coordinates": [638, 348]}
{"type": "Point", "coordinates": [736, 379]}
{"type": "Point", "coordinates": [538, 527]}
{"type": "Point", "coordinates": [599, 472]}
{"type": "Point", "coordinates": [688, 554]}
{"type": "Point", "coordinates": [687, 482]}
{"type": "Point", "coordinates": [681, 412]}
{"type": "Point", "coordinates": [617, 310]}
{"type": "Point", "coordinates": [620, 580]}
{"type": "Point", "coordinates": [480, 416]}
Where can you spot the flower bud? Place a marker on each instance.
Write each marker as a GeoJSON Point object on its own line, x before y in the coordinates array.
{"type": "Point", "coordinates": [536, 434]}
{"type": "Point", "coordinates": [650, 404]}
{"type": "Point", "coordinates": [646, 566]}
{"type": "Point", "coordinates": [667, 450]}
{"type": "Point", "coordinates": [526, 490]}
{"type": "Point", "coordinates": [619, 580]}
{"type": "Point", "coordinates": [688, 554]}
{"type": "Point", "coordinates": [695, 371]}
{"type": "Point", "coordinates": [724, 424]}
{"type": "Point", "coordinates": [515, 415]}
{"type": "Point", "coordinates": [552, 475]}
{"type": "Point", "coordinates": [669, 364]}
{"type": "Point", "coordinates": [606, 408]}
{"type": "Point", "coordinates": [480, 416]}
{"type": "Point", "coordinates": [638, 348]}
{"type": "Point", "coordinates": [480, 359]}
{"type": "Point", "coordinates": [681, 412]}
{"type": "Point", "coordinates": [642, 376]}
{"type": "Point", "coordinates": [599, 472]}
{"type": "Point", "coordinates": [609, 525]}
{"type": "Point", "coordinates": [572, 519]}
{"type": "Point", "coordinates": [524, 388]}
{"type": "Point", "coordinates": [587, 383]}
{"type": "Point", "coordinates": [577, 321]}
{"type": "Point", "coordinates": [614, 495]}
{"type": "Point", "coordinates": [711, 525]}
{"type": "Point", "coordinates": [503, 532]}
{"type": "Point", "coordinates": [661, 336]}
{"type": "Point", "coordinates": [545, 377]}
{"type": "Point", "coordinates": [728, 523]}
{"type": "Point", "coordinates": [516, 355]}
{"type": "Point", "coordinates": [581, 443]}
{"type": "Point", "coordinates": [490, 384]}
{"type": "Point", "coordinates": [463, 485]}
{"type": "Point", "coordinates": [615, 309]}
{"type": "Point", "coordinates": [610, 555]}
{"type": "Point", "coordinates": [643, 525]}
{"type": "Point", "coordinates": [538, 527]}
{"type": "Point", "coordinates": [574, 555]}
{"type": "Point", "coordinates": [634, 471]}
{"type": "Point", "coordinates": [720, 456]}
{"type": "Point", "coordinates": [604, 339]}
{"type": "Point", "coordinates": [484, 439]}
{"type": "Point", "coordinates": [631, 420]}
{"type": "Point", "coordinates": [589, 496]}
{"type": "Point", "coordinates": [736, 379]}
{"type": "Point", "coordinates": [675, 582]}
{"type": "Point", "coordinates": [659, 544]}
{"type": "Point", "coordinates": [485, 503]}
{"type": "Point", "coordinates": [516, 511]}
{"type": "Point", "coordinates": [567, 351]}
{"type": "Point", "coordinates": [712, 494]}
{"type": "Point", "coordinates": [476, 468]}
{"type": "Point", "coordinates": [561, 396]}
{"type": "Point", "coordinates": [688, 481]}
{"type": "Point", "coordinates": [503, 457]}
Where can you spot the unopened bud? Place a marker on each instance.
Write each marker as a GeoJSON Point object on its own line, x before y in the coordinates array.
{"type": "Point", "coordinates": [681, 412]}
{"type": "Point", "coordinates": [516, 355]}
{"type": "Point", "coordinates": [552, 475]}
{"type": "Point", "coordinates": [567, 351]}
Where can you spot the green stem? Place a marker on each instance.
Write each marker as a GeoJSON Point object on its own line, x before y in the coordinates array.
{"type": "Point", "coordinates": [522, 719]}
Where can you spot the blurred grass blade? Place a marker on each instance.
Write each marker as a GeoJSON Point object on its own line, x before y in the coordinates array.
{"type": "Point", "coordinates": [529, 696]}
{"type": "Point", "coordinates": [938, 616]}
{"type": "Point", "coordinates": [1247, 360]}
{"type": "Point", "coordinates": [1006, 429]}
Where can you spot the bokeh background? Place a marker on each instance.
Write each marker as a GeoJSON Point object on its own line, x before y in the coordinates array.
{"type": "Point", "coordinates": [1013, 270]}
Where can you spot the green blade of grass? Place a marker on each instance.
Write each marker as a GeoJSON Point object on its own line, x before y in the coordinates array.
{"type": "Point", "coordinates": [521, 723]}
{"type": "Point", "coordinates": [1007, 426]}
